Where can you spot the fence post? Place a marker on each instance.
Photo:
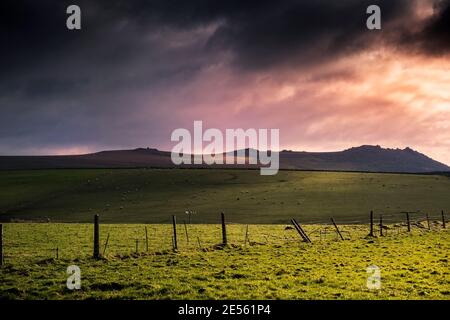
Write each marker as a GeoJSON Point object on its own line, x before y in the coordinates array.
{"type": "Point", "coordinates": [186, 231]}
{"type": "Point", "coordinates": [381, 225]}
{"type": "Point", "coordinates": [146, 239]}
{"type": "Point", "coordinates": [301, 231]}
{"type": "Point", "coordinates": [174, 223]}
{"type": "Point", "coordinates": [337, 229]}
{"type": "Point", "coordinates": [246, 236]}
{"type": "Point", "coordinates": [1, 244]}
{"type": "Point", "coordinates": [408, 222]}
{"type": "Point", "coordinates": [304, 232]}
{"type": "Point", "coordinates": [428, 222]}
{"type": "Point", "coordinates": [106, 244]}
{"type": "Point", "coordinates": [199, 244]}
{"type": "Point", "coordinates": [224, 230]}
{"type": "Point", "coordinates": [371, 224]}
{"type": "Point", "coordinates": [96, 238]}
{"type": "Point", "coordinates": [443, 219]}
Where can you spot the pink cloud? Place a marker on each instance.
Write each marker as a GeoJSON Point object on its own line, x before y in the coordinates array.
{"type": "Point", "coordinates": [381, 97]}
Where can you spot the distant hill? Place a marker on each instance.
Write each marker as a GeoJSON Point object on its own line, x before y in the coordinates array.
{"type": "Point", "coordinates": [364, 158]}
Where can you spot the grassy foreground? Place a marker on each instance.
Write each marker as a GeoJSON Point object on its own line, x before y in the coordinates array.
{"type": "Point", "coordinates": [152, 196]}
{"type": "Point", "coordinates": [274, 265]}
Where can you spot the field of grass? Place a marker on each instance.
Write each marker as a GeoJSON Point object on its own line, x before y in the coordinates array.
{"type": "Point", "coordinates": [152, 195]}
{"type": "Point", "coordinates": [274, 265]}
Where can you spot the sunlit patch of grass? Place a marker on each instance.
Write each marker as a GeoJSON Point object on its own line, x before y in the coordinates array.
{"type": "Point", "coordinates": [276, 265]}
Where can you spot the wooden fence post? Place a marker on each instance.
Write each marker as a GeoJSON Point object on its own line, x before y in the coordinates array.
{"type": "Point", "coordinates": [1, 244]}
{"type": "Point", "coordinates": [137, 245]}
{"type": "Point", "coordinates": [246, 236]}
{"type": "Point", "coordinates": [199, 244]}
{"type": "Point", "coordinates": [96, 237]}
{"type": "Point", "coordinates": [371, 224]}
{"type": "Point", "coordinates": [337, 229]}
{"type": "Point", "coordinates": [174, 223]}
{"type": "Point", "coordinates": [146, 239]}
{"type": "Point", "coordinates": [106, 244]}
{"type": "Point", "coordinates": [304, 232]}
{"type": "Point", "coordinates": [381, 225]}
{"type": "Point", "coordinates": [301, 231]}
{"type": "Point", "coordinates": [428, 222]}
{"type": "Point", "coordinates": [443, 219]}
{"type": "Point", "coordinates": [57, 253]}
{"type": "Point", "coordinates": [224, 230]}
{"type": "Point", "coordinates": [186, 231]}
{"type": "Point", "coordinates": [408, 222]}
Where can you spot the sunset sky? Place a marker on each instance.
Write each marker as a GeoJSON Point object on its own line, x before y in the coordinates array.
{"type": "Point", "coordinates": [140, 69]}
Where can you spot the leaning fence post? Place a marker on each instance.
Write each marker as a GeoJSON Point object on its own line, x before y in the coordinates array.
{"type": "Point", "coordinates": [337, 229]}
{"type": "Point", "coordinates": [301, 231]}
{"type": "Point", "coordinates": [174, 223]}
{"type": "Point", "coordinates": [96, 238]}
{"type": "Point", "coordinates": [224, 230]}
{"type": "Point", "coordinates": [443, 219]}
{"type": "Point", "coordinates": [304, 232]}
{"type": "Point", "coordinates": [106, 244]}
{"type": "Point", "coordinates": [408, 222]}
{"type": "Point", "coordinates": [1, 244]}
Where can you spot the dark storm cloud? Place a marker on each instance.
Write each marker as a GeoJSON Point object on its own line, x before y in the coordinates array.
{"type": "Point", "coordinates": [302, 32]}
{"type": "Point", "coordinates": [262, 33]}
{"type": "Point", "coordinates": [434, 37]}
{"type": "Point", "coordinates": [258, 32]}
{"type": "Point", "coordinates": [60, 87]}
{"type": "Point", "coordinates": [437, 32]}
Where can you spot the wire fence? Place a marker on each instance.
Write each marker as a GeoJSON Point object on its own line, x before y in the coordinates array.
{"type": "Point", "coordinates": [41, 242]}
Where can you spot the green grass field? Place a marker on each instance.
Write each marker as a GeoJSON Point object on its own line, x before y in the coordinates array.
{"type": "Point", "coordinates": [275, 265]}
{"type": "Point", "coordinates": [152, 196]}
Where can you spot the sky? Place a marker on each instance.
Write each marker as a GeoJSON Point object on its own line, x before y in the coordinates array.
{"type": "Point", "coordinates": [137, 70]}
